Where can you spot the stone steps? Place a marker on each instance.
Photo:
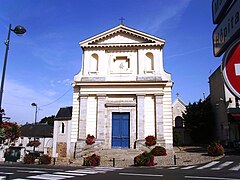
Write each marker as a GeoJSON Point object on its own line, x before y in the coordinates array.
{"type": "Point", "coordinates": [122, 157]}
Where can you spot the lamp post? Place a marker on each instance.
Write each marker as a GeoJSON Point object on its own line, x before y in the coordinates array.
{"type": "Point", "coordinates": [35, 122]}
{"type": "Point", "coordinates": [34, 104]}
{"type": "Point", "coordinates": [17, 30]}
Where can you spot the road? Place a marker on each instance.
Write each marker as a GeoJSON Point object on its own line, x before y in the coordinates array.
{"type": "Point", "coordinates": [224, 169]}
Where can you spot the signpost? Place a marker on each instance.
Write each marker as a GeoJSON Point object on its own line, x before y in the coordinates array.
{"type": "Point", "coordinates": [219, 9]}
{"type": "Point", "coordinates": [231, 68]}
{"type": "Point", "coordinates": [228, 30]}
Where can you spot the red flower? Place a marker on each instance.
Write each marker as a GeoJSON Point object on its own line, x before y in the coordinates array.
{"type": "Point", "coordinates": [90, 139]}
{"type": "Point", "coordinates": [150, 140]}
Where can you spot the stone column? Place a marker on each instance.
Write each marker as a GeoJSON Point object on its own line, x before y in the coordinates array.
{"type": "Point", "coordinates": [101, 100]}
{"type": "Point", "coordinates": [140, 117]}
{"type": "Point", "coordinates": [55, 139]}
{"type": "Point", "coordinates": [159, 118]}
{"type": "Point", "coordinates": [83, 116]}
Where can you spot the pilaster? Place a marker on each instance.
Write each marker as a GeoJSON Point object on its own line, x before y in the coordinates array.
{"type": "Point", "coordinates": [83, 116]}
{"type": "Point", "coordinates": [140, 117]}
{"type": "Point", "coordinates": [159, 118]}
{"type": "Point", "coordinates": [101, 100]}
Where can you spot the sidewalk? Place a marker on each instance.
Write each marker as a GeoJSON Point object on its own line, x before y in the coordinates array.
{"type": "Point", "coordinates": [185, 156]}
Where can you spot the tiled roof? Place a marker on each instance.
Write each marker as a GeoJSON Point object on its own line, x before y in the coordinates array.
{"type": "Point", "coordinates": [64, 114]}
{"type": "Point", "coordinates": [36, 130]}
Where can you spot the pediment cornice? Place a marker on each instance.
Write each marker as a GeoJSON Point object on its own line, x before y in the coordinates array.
{"type": "Point", "coordinates": [146, 39]}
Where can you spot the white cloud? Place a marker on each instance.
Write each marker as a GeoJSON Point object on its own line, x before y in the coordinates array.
{"type": "Point", "coordinates": [173, 9]}
{"type": "Point", "coordinates": [18, 98]}
{"type": "Point", "coordinates": [64, 82]}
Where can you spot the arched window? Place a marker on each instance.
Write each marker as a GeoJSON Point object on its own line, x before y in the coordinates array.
{"type": "Point", "coordinates": [149, 62]}
{"type": "Point", "coordinates": [62, 128]}
{"type": "Point", "coordinates": [94, 63]}
{"type": "Point", "coordinates": [178, 121]}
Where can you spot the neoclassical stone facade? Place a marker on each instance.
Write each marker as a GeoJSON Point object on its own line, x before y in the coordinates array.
{"type": "Point", "coordinates": [122, 93]}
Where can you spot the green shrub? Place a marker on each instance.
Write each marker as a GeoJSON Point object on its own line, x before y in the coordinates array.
{"type": "Point", "coordinates": [159, 151]}
{"type": "Point", "coordinates": [144, 159]}
{"type": "Point", "coordinates": [29, 159]}
{"type": "Point", "coordinates": [215, 149]}
{"type": "Point", "coordinates": [93, 160]}
{"type": "Point", "coordinates": [44, 159]}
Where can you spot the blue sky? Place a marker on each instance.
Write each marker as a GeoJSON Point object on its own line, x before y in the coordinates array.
{"type": "Point", "coordinates": [42, 63]}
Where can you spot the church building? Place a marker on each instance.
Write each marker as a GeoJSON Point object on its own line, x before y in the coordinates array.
{"type": "Point", "coordinates": [122, 93]}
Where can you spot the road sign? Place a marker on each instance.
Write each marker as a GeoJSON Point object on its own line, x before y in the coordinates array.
{"type": "Point", "coordinates": [228, 30]}
{"type": "Point", "coordinates": [231, 68]}
{"type": "Point", "coordinates": [219, 8]}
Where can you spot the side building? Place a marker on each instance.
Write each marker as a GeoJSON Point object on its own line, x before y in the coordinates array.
{"type": "Point", "coordinates": [226, 110]}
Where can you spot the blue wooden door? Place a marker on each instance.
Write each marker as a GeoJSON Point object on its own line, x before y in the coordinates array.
{"type": "Point", "coordinates": [120, 130]}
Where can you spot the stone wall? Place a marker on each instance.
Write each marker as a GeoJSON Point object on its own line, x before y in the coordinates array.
{"type": "Point", "coordinates": [62, 149]}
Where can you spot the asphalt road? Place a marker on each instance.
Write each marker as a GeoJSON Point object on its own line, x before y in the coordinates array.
{"type": "Point", "coordinates": [227, 168]}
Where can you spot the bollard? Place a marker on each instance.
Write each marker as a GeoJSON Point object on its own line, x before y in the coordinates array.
{"type": "Point", "coordinates": [54, 161]}
{"type": "Point", "coordinates": [84, 161]}
{"type": "Point", "coordinates": [175, 159]}
{"type": "Point", "coordinates": [113, 162]}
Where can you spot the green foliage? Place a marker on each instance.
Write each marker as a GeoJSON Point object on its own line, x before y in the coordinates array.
{"type": "Point", "coordinates": [215, 149]}
{"type": "Point", "coordinates": [144, 159]}
{"type": "Point", "coordinates": [29, 159]}
{"type": "Point", "coordinates": [199, 120]}
{"type": "Point", "coordinates": [159, 151]}
{"type": "Point", "coordinates": [93, 160]}
{"type": "Point", "coordinates": [49, 120]}
{"type": "Point", "coordinates": [44, 159]}
{"type": "Point", "coordinates": [10, 131]}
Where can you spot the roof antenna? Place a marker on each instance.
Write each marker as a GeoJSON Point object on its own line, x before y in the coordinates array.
{"type": "Point", "coordinates": [121, 20]}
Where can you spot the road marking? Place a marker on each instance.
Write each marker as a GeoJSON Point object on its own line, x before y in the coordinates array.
{"type": "Point", "coordinates": [143, 175]}
{"type": "Point", "coordinates": [50, 177]}
{"type": "Point", "coordinates": [215, 178]}
{"type": "Point", "coordinates": [188, 167]}
{"type": "Point", "coordinates": [83, 171]}
{"type": "Point", "coordinates": [209, 165]}
{"type": "Point", "coordinates": [36, 172]}
{"type": "Point", "coordinates": [236, 168]}
{"type": "Point", "coordinates": [223, 165]}
{"type": "Point", "coordinates": [27, 168]}
{"type": "Point", "coordinates": [69, 173]}
{"type": "Point", "coordinates": [173, 167]}
{"type": "Point", "coordinates": [107, 168]}
{"type": "Point", "coordinates": [6, 173]}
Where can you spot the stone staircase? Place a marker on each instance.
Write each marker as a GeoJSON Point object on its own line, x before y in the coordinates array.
{"type": "Point", "coordinates": [112, 157]}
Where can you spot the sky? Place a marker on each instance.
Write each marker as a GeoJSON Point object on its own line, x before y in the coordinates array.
{"type": "Point", "coordinates": [42, 63]}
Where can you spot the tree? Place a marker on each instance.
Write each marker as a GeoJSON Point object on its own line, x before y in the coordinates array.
{"type": "Point", "coordinates": [49, 120]}
{"type": "Point", "coordinates": [199, 121]}
{"type": "Point", "coordinates": [9, 132]}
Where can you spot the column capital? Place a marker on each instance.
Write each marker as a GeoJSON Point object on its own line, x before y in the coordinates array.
{"type": "Point", "coordinates": [101, 95]}
{"type": "Point", "coordinates": [159, 94]}
{"type": "Point", "coordinates": [83, 95]}
{"type": "Point", "coordinates": [140, 94]}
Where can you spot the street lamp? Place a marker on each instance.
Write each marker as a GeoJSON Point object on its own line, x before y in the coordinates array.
{"type": "Point", "coordinates": [17, 30]}
{"type": "Point", "coordinates": [35, 122]}
{"type": "Point", "coordinates": [34, 104]}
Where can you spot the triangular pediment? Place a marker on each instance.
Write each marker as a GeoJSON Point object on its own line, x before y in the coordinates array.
{"type": "Point", "coordinates": [122, 38]}
{"type": "Point", "coordinates": [122, 35]}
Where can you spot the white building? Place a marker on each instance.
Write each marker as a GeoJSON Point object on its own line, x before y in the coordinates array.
{"type": "Point", "coordinates": [179, 108]}
{"type": "Point", "coordinates": [122, 93]}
